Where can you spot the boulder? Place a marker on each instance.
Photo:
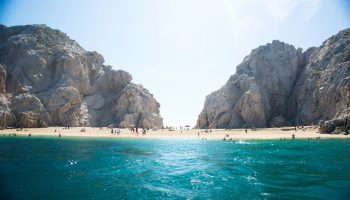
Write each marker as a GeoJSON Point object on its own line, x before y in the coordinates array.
{"type": "Point", "coordinates": [64, 105]}
{"type": "Point", "coordinates": [326, 127]}
{"type": "Point", "coordinates": [135, 99]}
{"type": "Point", "coordinates": [330, 126]}
{"type": "Point", "coordinates": [29, 111]}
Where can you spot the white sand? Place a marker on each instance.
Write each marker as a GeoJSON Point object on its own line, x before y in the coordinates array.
{"type": "Point", "coordinates": [266, 133]}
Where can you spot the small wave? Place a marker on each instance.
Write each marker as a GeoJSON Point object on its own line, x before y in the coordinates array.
{"type": "Point", "coordinates": [242, 142]}
{"type": "Point", "coordinates": [265, 194]}
{"type": "Point", "coordinates": [195, 181]}
{"type": "Point", "coordinates": [72, 162]}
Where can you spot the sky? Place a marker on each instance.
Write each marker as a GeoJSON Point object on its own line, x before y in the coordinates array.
{"type": "Point", "coordinates": [182, 50]}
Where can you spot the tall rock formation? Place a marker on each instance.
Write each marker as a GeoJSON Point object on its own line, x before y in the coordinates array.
{"type": "Point", "coordinates": [278, 85]}
{"type": "Point", "coordinates": [47, 79]}
{"type": "Point", "coordinates": [323, 89]}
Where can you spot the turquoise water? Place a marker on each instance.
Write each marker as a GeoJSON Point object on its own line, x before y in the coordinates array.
{"type": "Point", "coordinates": [61, 168]}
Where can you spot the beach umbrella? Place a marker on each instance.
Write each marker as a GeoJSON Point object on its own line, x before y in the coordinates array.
{"type": "Point", "coordinates": [187, 126]}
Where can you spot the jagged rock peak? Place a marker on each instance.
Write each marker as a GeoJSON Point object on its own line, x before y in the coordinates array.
{"type": "Point", "coordinates": [64, 83]}
{"type": "Point", "coordinates": [277, 84]}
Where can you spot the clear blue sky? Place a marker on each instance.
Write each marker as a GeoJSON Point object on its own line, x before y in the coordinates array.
{"type": "Point", "coordinates": [181, 50]}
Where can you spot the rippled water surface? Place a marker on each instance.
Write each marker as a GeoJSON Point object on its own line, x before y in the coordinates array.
{"type": "Point", "coordinates": [61, 168]}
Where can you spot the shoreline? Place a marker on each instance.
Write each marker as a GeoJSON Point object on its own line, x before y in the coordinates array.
{"type": "Point", "coordinates": [285, 133]}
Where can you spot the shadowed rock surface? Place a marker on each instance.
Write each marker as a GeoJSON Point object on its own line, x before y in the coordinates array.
{"type": "Point", "coordinates": [279, 85]}
{"type": "Point", "coordinates": [47, 79]}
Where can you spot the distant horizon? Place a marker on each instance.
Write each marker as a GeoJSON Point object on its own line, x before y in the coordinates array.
{"type": "Point", "coordinates": [182, 51]}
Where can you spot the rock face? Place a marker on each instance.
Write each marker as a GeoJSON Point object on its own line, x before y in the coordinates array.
{"type": "Point", "coordinates": [323, 89]}
{"type": "Point", "coordinates": [279, 85]}
{"type": "Point", "coordinates": [47, 79]}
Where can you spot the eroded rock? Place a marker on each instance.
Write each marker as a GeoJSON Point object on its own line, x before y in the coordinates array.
{"type": "Point", "coordinates": [50, 80]}
{"type": "Point", "coordinates": [298, 87]}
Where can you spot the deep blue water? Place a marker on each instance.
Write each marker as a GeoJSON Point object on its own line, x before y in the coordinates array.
{"type": "Point", "coordinates": [66, 168]}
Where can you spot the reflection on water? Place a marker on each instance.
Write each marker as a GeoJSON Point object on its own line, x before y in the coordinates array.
{"type": "Point", "coordinates": [181, 169]}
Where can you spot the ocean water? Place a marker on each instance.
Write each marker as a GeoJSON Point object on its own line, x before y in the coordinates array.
{"type": "Point", "coordinates": [72, 168]}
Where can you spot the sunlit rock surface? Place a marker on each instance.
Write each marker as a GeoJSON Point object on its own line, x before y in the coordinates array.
{"type": "Point", "coordinates": [47, 79]}
{"type": "Point", "coordinates": [277, 85]}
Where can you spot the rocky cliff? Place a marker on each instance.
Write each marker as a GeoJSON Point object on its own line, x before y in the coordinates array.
{"type": "Point", "coordinates": [279, 85]}
{"type": "Point", "coordinates": [47, 79]}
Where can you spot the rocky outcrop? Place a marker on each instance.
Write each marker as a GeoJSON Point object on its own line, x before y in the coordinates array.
{"type": "Point", "coordinates": [64, 105]}
{"type": "Point", "coordinates": [279, 85]}
{"type": "Point", "coordinates": [335, 125]}
{"type": "Point", "coordinates": [130, 108]}
{"type": "Point", "coordinates": [29, 111]}
{"type": "Point", "coordinates": [323, 89]}
{"type": "Point", "coordinates": [47, 79]}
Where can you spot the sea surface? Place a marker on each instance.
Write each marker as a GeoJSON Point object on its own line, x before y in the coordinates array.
{"type": "Point", "coordinates": [78, 168]}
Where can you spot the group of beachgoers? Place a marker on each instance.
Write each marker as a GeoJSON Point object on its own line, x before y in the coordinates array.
{"type": "Point", "coordinates": [115, 131]}
{"type": "Point", "coordinates": [293, 138]}
{"type": "Point", "coordinates": [14, 134]}
{"type": "Point", "coordinates": [136, 130]}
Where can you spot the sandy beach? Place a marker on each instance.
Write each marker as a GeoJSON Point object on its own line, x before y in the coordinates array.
{"type": "Point", "coordinates": [215, 134]}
